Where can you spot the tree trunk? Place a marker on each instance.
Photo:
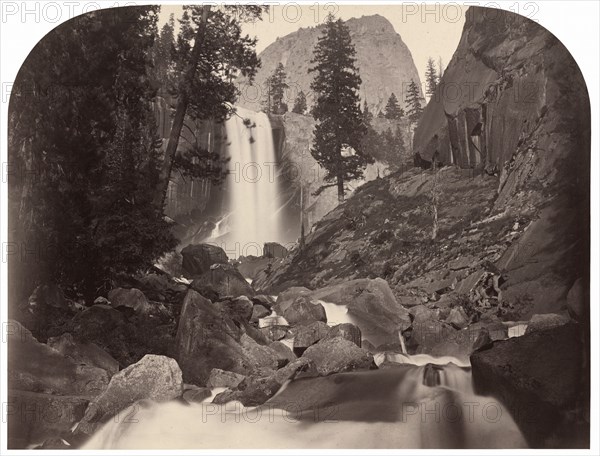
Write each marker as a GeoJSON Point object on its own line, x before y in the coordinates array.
{"type": "Point", "coordinates": [180, 112]}
{"type": "Point", "coordinates": [434, 200]}
{"type": "Point", "coordinates": [340, 187]}
{"type": "Point", "coordinates": [302, 241]}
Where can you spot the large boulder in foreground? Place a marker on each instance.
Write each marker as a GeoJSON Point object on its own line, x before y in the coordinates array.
{"type": "Point", "coordinates": [37, 367]}
{"type": "Point", "coordinates": [371, 303]}
{"type": "Point", "coordinates": [208, 338]}
{"type": "Point", "coordinates": [542, 378]}
{"type": "Point", "coordinates": [205, 340]}
{"type": "Point", "coordinates": [154, 377]}
{"type": "Point", "coordinates": [198, 258]}
{"type": "Point", "coordinates": [331, 356]}
{"type": "Point", "coordinates": [226, 280]}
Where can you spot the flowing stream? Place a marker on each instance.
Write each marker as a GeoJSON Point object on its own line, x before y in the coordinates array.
{"type": "Point", "coordinates": [417, 401]}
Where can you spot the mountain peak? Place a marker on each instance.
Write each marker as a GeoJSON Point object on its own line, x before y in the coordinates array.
{"type": "Point", "coordinates": [383, 59]}
{"type": "Point", "coordinates": [374, 24]}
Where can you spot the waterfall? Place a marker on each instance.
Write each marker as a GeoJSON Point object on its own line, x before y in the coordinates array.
{"type": "Point", "coordinates": [252, 188]}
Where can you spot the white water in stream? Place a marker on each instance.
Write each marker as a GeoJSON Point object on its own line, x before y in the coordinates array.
{"type": "Point", "coordinates": [422, 402]}
{"type": "Point", "coordinates": [252, 215]}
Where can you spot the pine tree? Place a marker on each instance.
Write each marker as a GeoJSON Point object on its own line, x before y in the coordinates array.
{"type": "Point", "coordinates": [210, 53]}
{"type": "Point", "coordinates": [413, 102]}
{"type": "Point", "coordinates": [95, 151]}
{"type": "Point", "coordinates": [163, 50]}
{"type": "Point", "coordinates": [340, 129]}
{"type": "Point", "coordinates": [431, 77]}
{"type": "Point", "coordinates": [300, 104]}
{"type": "Point", "coordinates": [274, 101]}
{"type": "Point", "coordinates": [393, 109]}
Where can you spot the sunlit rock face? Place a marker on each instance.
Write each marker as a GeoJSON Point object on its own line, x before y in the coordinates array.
{"type": "Point", "coordinates": [513, 104]}
{"type": "Point", "coordinates": [518, 134]}
{"type": "Point", "coordinates": [384, 61]}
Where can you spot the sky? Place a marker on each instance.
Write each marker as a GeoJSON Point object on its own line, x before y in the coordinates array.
{"type": "Point", "coordinates": [431, 30]}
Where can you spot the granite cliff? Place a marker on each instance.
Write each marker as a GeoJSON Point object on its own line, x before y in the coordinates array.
{"type": "Point", "coordinates": [384, 61]}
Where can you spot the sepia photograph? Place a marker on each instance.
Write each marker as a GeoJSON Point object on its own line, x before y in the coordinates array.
{"type": "Point", "coordinates": [298, 226]}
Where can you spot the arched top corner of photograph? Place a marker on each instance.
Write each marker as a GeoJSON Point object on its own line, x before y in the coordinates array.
{"type": "Point", "coordinates": [300, 226]}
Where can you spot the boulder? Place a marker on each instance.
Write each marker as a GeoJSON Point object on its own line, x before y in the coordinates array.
{"type": "Point", "coordinates": [156, 287]}
{"type": "Point", "coordinates": [37, 367]}
{"type": "Point", "coordinates": [255, 391]}
{"type": "Point", "coordinates": [540, 322]}
{"type": "Point", "coordinates": [287, 297]}
{"type": "Point", "coordinates": [258, 312]}
{"type": "Point", "coordinates": [303, 311]}
{"type": "Point", "coordinates": [255, 333]}
{"type": "Point", "coordinates": [240, 308]}
{"type": "Point", "coordinates": [578, 301]}
{"type": "Point", "coordinates": [276, 332]}
{"type": "Point", "coordinates": [131, 298]}
{"type": "Point", "coordinates": [307, 335]}
{"type": "Point", "coordinates": [330, 356]}
{"type": "Point", "coordinates": [154, 377]}
{"type": "Point", "coordinates": [284, 354]}
{"type": "Point", "coordinates": [206, 339]}
{"type": "Point", "coordinates": [205, 290]}
{"type": "Point", "coordinates": [223, 379]}
{"type": "Point", "coordinates": [422, 312]}
{"type": "Point", "coordinates": [371, 302]}
{"type": "Point", "coordinates": [438, 338]}
{"type": "Point", "coordinates": [542, 379]}
{"type": "Point", "coordinates": [274, 250]}
{"type": "Point", "coordinates": [348, 331]}
{"type": "Point", "coordinates": [88, 354]}
{"type": "Point", "coordinates": [458, 318]}
{"type": "Point", "coordinates": [198, 258]}
{"type": "Point", "coordinates": [226, 280]}
{"type": "Point", "coordinates": [258, 358]}
{"type": "Point", "coordinates": [35, 417]}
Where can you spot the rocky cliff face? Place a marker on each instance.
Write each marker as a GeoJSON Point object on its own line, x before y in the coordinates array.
{"type": "Point", "coordinates": [384, 61]}
{"type": "Point", "coordinates": [519, 209]}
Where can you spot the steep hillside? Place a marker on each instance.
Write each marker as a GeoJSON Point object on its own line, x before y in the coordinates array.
{"type": "Point", "coordinates": [518, 208]}
{"type": "Point", "coordinates": [384, 61]}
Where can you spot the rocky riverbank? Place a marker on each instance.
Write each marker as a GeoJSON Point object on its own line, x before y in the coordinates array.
{"type": "Point", "coordinates": [201, 333]}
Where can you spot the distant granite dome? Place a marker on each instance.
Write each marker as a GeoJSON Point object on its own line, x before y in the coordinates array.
{"type": "Point", "coordinates": [385, 63]}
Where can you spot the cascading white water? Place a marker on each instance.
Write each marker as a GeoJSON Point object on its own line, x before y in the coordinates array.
{"type": "Point", "coordinates": [253, 195]}
{"type": "Point", "coordinates": [421, 402]}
